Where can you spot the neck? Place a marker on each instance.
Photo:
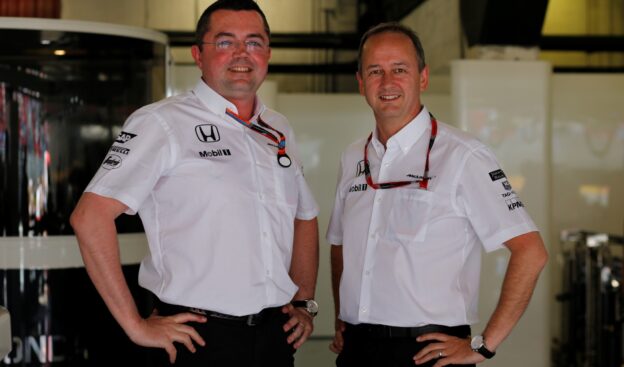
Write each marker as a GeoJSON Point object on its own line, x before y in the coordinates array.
{"type": "Point", "coordinates": [245, 108]}
{"type": "Point", "coordinates": [387, 128]}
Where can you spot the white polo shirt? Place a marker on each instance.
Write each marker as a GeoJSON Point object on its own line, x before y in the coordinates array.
{"type": "Point", "coordinates": [412, 256]}
{"type": "Point", "coordinates": [218, 210]}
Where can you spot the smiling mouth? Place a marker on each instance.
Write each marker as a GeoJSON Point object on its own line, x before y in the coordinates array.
{"type": "Point", "coordinates": [240, 69]}
{"type": "Point", "coordinates": [389, 97]}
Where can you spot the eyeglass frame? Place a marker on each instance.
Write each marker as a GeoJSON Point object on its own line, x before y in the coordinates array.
{"type": "Point", "coordinates": [236, 45]}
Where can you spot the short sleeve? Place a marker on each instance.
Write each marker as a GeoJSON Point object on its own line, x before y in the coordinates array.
{"type": "Point", "coordinates": [307, 208]}
{"type": "Point", "coordinates": [335, 231]}
{"type": "Point", "coordinates": [136, 160]}
{"type": "Point", "coordinates": [486, 197]}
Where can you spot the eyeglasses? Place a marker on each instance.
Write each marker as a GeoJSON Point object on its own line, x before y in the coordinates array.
{"type": "Point", "coordinates": [423, 182]}
{"type": "Point", "coordinates": [230, 45]}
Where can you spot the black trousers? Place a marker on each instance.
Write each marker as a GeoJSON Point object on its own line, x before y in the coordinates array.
{"type": "Point", "coordinates": [381, 346]}
{"type": "Point", "coordinates": [233, 342]}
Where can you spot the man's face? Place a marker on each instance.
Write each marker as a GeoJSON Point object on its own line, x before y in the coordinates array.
{"type": "Point", "coordinates": [390, 79]}
{"type": "Point", "coordinates": [235, 62]}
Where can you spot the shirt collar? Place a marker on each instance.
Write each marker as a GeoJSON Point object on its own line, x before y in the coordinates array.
{"type": "Point", "coordinates": [407, 136]}
{"type": "Point", "coordinates": [217, 104]}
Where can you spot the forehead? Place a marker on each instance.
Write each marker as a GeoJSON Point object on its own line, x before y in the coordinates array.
{"type": "Point", "coordinates": [389, 46]}
{"type": "Point", "coordinates": [237, 22]}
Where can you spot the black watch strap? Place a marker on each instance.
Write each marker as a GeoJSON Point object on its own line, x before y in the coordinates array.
{"type": "Point", "coordinates": [310, 305]}
{"type": "Point", "coordinates": [486, 352]}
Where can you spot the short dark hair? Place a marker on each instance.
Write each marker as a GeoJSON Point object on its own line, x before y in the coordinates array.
{"type": "Point", "coordinates": [393, 27]}
{"type": "Point", "coordinates": [203, 24]}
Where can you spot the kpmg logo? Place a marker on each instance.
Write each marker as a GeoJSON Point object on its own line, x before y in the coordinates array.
{"type": "Point", "coordinates": [124, 137]}
{"type": "Point", "coordinates": [207, 133]}
{"type": "Point", "coordinates": [360, 169]}
{"type": "Point", "coordinates": [513, 204]}
{"type": "Point", "coordinates": [112, 161]}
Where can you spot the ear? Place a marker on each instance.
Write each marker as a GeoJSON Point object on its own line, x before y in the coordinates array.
{"type": "Point", "coordinates": [196, 53]}
{"type": "Point", "coordinates": [424, 78]}
{"type": "Point", "coordinates": [360, 82]}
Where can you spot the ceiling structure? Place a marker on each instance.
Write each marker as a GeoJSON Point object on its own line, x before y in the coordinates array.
{"type": "Point", "coordinates": [485, 22]}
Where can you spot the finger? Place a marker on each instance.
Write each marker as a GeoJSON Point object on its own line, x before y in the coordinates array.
{"type": "Point", "coordinates": [291, 323]}
{"type": "Point", "coordinates": [288, 308]}
{"type": "Point", "coordinates": [429, 349]}
{"type": "Point", "coordinates": [171, 351]}
{"type": "Point", "coordinates": [339, 340]}
{"type": "Point", "coordinates": [304, 336]}
{"type": "Point", "coordinates": [295, 334]}
{"type": "Point", "coordinates": [433, 336]}
{"type": "Point", "coordinates": [193, 334]}
{"type": "Point", "coordinates": [334, 348]}
{"type": "Point", "coordinates": [154, 312]}
{"type": "Point", "coordinates": [182, 318]}
{"type": "Point", "coordinates": [188, 343]}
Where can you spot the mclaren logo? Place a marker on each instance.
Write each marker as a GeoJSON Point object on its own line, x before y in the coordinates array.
{"type": "Point", "coordinates": [207, 133]}
{"type": "Point", "coordinates": [360, 169]}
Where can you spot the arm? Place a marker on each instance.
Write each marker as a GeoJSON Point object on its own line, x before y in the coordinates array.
{"type": "Point", "coordinates": [336, 275]}
{"type": "Point", "coordinates": [93, 221]}
{"type": "Point", "coordinates": [303, 272]}
{"type": "Point", "coordinates": [528, 257]}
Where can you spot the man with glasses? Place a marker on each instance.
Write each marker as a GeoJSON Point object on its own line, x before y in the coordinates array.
{"type": "Point", "coordinates": [415, 202]}
{"type": "Point", "coordinates": [229, 218]}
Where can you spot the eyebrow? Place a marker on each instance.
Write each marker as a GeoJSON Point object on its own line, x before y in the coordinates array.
{"type": "Point", "coordinates": [400, 63]}
{"type": "Point", "coordinates": [228, 34]}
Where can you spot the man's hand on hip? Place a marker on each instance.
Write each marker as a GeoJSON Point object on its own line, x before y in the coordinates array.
{"type": "Point", "coordinates": [162, 331]}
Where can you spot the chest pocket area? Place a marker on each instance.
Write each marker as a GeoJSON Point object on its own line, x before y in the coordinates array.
{"type": "Point", "coordinates": [409, 215]}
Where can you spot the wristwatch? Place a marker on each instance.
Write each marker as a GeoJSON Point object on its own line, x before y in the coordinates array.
{"type": "Point", "coordinates": [310, 305]}
{"type": "Point", "coordinates": [478, 345]}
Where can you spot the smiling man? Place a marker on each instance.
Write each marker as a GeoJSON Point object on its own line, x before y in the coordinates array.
{"type": "Point", "coordinates": [415, 204]}
{"type": "Point", "coordinates": [230, 220]}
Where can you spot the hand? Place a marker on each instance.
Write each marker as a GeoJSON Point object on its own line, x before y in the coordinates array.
{"type": "Point", "coordinates": [338, 342]}
{"type": "Point", "coordinates": [162, 331]}
{"type": "Point", "coordinates": [448, 349]}
{"type": "Point", "coordinates": [300, 324]}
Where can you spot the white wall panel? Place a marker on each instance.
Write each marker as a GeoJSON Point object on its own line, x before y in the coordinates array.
{"type": "Point", "coordinates": [178, 15]}
{"type": "Point", "coordinates": [588, 160]}
{"type": "Point", "coordinates": [110, 11]}
{"type": "Point", "coordinates": [506, 105]}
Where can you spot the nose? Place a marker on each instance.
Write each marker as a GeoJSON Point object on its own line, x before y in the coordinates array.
{"type": "Point", "coordinates": [240, 47]}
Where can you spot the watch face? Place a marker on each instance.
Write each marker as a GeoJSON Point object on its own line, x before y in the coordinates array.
{"type": "Point", "coordinates": [476, 342]}
{"type": "Point", "coordinates": [311, 306]}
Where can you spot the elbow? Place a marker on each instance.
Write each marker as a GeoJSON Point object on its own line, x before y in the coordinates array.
{"type": "Point", "coordinates": [76, 219]}
{"type": "Point", "coordinates": [541, 258]}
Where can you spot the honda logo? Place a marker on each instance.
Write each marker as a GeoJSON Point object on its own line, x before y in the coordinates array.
{"type": "Point", "coordinates": [207, 133]}
{"type": "Point", "coordinates": [360, 169]}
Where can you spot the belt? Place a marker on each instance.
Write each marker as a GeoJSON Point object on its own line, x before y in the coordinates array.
{"type": "Point", "coordinates": [385, 331]}
{"type": "Point", "coordinates": [249, 320]}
